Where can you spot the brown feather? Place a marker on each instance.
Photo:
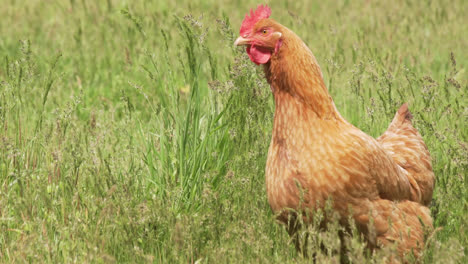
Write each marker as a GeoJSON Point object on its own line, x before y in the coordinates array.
{"type": "Point", "coordinates": [315, 154]}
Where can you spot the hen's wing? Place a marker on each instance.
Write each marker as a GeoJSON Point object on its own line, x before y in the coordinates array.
{"type": "Point", "coordinates": [406, 146]}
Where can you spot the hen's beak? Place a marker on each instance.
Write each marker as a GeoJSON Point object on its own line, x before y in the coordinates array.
{"type": "Point", "coordinates": [241, 41]}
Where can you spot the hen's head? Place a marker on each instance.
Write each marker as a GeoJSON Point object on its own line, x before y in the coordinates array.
{"type": "Point", "coordinates": [261, 35]}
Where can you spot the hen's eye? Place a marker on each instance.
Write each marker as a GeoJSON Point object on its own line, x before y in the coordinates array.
{"type": "Point", "coordinates": [264, 31]}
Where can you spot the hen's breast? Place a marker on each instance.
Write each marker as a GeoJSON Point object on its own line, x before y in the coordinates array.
{"type": "Point", "coordinates": [312, 159]}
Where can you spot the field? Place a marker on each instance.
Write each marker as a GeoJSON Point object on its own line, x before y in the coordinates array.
{"type": "Point", "coordinates": [134, 131]}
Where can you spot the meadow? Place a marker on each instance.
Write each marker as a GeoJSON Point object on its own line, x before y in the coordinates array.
{"type": "Point", "coordinates": [134, 131]}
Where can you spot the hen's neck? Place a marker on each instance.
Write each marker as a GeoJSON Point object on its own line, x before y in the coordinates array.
{"type": "Point", "coordinates": [294, 70]}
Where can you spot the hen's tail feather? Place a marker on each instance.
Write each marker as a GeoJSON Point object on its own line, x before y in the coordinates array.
{"type": "Point", "coordinates": [406, 146]}
{"type": "Point", "coordinates": [404, 113]}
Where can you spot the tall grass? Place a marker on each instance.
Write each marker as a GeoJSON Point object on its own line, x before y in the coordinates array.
{"type": "Point", "coordinates": [133, 131]}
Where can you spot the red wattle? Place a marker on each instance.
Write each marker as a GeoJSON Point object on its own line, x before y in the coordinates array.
{"type": "Point", "coordinates": [258, 55]}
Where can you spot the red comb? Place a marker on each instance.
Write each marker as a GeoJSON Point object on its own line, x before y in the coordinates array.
{"type": "Point", "coordinates": [260, 13]}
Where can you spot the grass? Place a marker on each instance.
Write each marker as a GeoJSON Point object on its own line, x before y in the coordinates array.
{"type": "Point", "coordinates": [133, 131]}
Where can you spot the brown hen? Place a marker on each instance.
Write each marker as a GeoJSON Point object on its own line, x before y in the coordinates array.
{"type": "Point", "coordinates": [316, 155]}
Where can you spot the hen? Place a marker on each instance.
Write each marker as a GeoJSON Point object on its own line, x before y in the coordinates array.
{"type": "Point", "coordinates": [316, 155]}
